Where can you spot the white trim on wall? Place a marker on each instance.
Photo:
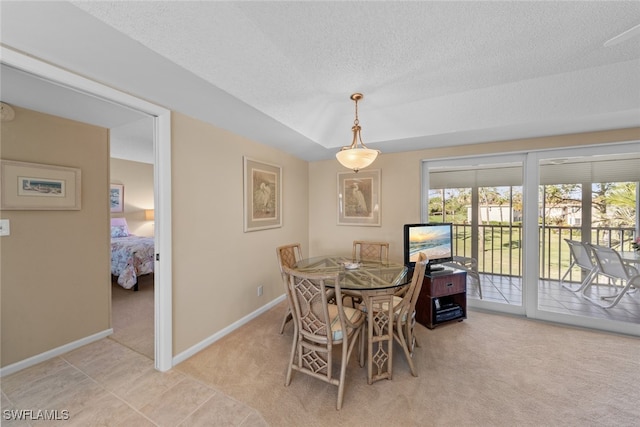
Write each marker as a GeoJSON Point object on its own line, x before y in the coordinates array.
{"type": "Point", "coordinates": [50, 354]}
{"type": "Point", "coordinates": [225, 331]}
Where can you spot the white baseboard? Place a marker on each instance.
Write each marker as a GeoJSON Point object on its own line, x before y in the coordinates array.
{"type": "Point", "coordinates": [215, 337]}
{"type": "Point", "coordinates": [34, 360]}
{"type": "Point", "coordinates": [50, 354]}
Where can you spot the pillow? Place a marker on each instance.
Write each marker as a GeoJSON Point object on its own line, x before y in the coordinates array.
{"type": "Point", "coordinates": [119, 231]}
{"type": "Point", "coordinates": [119, 227]}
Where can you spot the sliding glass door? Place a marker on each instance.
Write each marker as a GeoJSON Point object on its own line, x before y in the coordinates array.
{"type": "Point", "coordinates": [587, 196]}
{"type": "Point", "coordinates": [514, 213]}
{"type": "Point", "coordinates": [483, 198]}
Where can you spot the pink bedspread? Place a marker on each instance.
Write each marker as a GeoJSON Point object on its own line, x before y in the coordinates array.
{"type": "Point", "coordinates": [131, 256]}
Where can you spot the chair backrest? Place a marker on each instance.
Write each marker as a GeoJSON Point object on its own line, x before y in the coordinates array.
{"type": "Point", "coordinates": [581, 253]}
{"type": "Point", "coordinates": [418, 277]}
{"type": "Point", "coordinates": [408, 304]}
{"type": "Point", "coordinates": [374, 251]}
{"type": "Point", "coordinates": [610, 263]}
{"type": "Point", "coordinates": [311, 308]}
{"type": "Point", "coordinates": [288, 255]}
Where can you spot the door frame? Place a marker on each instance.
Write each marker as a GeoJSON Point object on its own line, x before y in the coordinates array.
{"type": "Point", "coordinates": [163, 340]}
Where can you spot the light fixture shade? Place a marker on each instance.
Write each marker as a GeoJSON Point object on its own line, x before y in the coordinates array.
{"type": "Point", "coordinates": [149, 214]}
{"type": "Point", "coordinates": [356, 158]}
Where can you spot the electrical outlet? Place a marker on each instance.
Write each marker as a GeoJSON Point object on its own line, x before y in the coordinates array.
{"type": "Point", "coordinates": [5, 229]}
{"type": "Point", "coordinates": [260, 290]}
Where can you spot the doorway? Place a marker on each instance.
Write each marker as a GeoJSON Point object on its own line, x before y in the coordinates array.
{"type": "Point", "coordinates": [78, 87]}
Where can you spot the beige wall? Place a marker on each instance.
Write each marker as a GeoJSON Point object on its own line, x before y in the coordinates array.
{"type": "Point", "coordinates": [137, 179]}
{"type": "Point", "coordinates": [55, 273]}
{"type": "Point", "coordinates": [400, 189]}
{"type": "Point", "coordinates": [217, 267]}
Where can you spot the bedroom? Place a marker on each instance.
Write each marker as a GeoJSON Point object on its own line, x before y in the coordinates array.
{"type": "Point", "coordinates": [132, 310]}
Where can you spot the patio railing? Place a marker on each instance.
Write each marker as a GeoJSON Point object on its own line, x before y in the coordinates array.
{"type": "Point", "coordinates": [500, 247]}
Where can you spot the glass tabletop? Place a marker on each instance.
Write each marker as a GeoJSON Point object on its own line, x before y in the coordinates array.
{"type": "Point", "coordinates": [366, 275]}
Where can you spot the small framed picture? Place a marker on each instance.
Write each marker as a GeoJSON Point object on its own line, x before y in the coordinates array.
{"type": "Point", "coordinates": [34, 186]}
{"type": "Point", "coordinates": [116, 198]}
{"type": "Point", "coordinates": [359, 198]}
{"type": "Point", "coordinates": [262, 195]}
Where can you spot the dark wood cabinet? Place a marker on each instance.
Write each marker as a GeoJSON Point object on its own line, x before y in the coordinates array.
{"type": "Point", "coordinates": [442, 299]}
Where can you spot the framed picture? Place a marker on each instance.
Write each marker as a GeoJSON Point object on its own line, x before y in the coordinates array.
{"type": "Point", "coordinates": [34, 186]}
{"type": "Point", "coordinates": [359, 198]}
{"type": "Point", "coordinates": [116, 198]}
{"type": "Point", "coordinates": [262, 195]}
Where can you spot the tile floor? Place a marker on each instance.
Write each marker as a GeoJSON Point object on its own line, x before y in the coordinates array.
{"type": "Point", "coordinates": [107, 384]}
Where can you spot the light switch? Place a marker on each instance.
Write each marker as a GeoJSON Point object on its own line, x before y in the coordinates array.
{"type": "Point", "coordinates": [5, 230]}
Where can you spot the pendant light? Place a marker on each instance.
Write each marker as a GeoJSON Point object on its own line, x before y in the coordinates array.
{"type": "Point", "coordinates": [356, 156]}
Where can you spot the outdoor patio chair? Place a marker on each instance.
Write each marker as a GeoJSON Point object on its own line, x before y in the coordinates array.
{"type": "Point", "coordinates": [581, 256]}
{"type": "Point", "coordinates": [611, 265]}
{"type": "Point", "coordinates": [470, 265]}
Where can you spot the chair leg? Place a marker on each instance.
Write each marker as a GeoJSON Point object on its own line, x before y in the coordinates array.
{"type": "Point", "coordinates": [343, 374]}
{"type": "Point", "coordinates": [477, 277]}
{"type": "Point", "coordinates": [569, 287]}
{"type": "Point", "coordinates": [616, 297]}
{"type": "Point", "coordinates": [294, 346]}
{"type": "Point", "coordinates": [287, 317]}
{"type": "Point", "coordinates": [361, 351]}
{"type": "Point", "coordinates": [403, 343]}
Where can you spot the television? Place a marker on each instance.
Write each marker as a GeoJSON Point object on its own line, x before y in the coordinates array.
{"type": "Point", "coordinates": [435, 240]}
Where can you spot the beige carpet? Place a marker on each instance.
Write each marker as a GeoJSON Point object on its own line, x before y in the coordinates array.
{"type": "Point", "coordinates": [489, 370]}
{"type": "Point", "coordinates": [132, 316]}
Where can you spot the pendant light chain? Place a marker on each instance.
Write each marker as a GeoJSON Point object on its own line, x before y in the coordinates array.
{"type": "Point", "coordinates": [356, 121]}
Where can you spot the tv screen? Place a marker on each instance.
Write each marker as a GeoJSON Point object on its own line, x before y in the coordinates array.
{"type": "Point", "coordinates": [434, 240]}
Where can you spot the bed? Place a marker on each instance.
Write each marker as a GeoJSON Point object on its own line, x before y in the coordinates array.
{"type": "Point", "coordinates": [131, 256]}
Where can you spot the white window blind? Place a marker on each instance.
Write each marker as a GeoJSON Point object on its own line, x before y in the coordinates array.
{"type": "Point", "coordinates": [480, 177]}
{"type": "Point", "coordinates": [618, 170]}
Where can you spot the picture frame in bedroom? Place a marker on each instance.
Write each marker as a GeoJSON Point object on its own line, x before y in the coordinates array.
{"type": "Point", "coordinates": [116, 198]}
{"type": "Point", "coordinates": [359, 198]}
{"type": "Point", "coordinates": [262, 195]}
{"type": "Point", "coordinates": [36, 186]}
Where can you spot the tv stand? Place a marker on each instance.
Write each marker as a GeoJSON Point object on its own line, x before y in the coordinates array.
{"type": "Point", "coordinates": [443, 298]}
{"type": "Point", "coordinates": [434, 268]}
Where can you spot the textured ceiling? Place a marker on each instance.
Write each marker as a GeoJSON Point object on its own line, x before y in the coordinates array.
{"type": "Point", "coordinates": [432, 73]}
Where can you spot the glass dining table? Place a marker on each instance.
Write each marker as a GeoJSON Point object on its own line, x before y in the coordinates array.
{"type": "Point", "coordinates": [376, 283]}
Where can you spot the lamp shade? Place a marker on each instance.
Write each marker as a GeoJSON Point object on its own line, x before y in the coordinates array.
{"type": "Point", "coordinates": [356, 158]}
{"type": "Point", "coordinates": [149, 214]}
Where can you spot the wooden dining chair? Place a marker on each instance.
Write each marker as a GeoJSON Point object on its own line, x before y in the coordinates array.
{"type": "Point", "coordinates": [288, 255]}
{"type": "Point", "coordinates": [404, 313]}
{"type": "Point", "coordinates": [373, 251]}
{"type": "Point", "coordinates": [321, 328]}
{"type": "Point", "coordinates": [611, 265]}
{"type": "Point", "coordinates": [367, 251]}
